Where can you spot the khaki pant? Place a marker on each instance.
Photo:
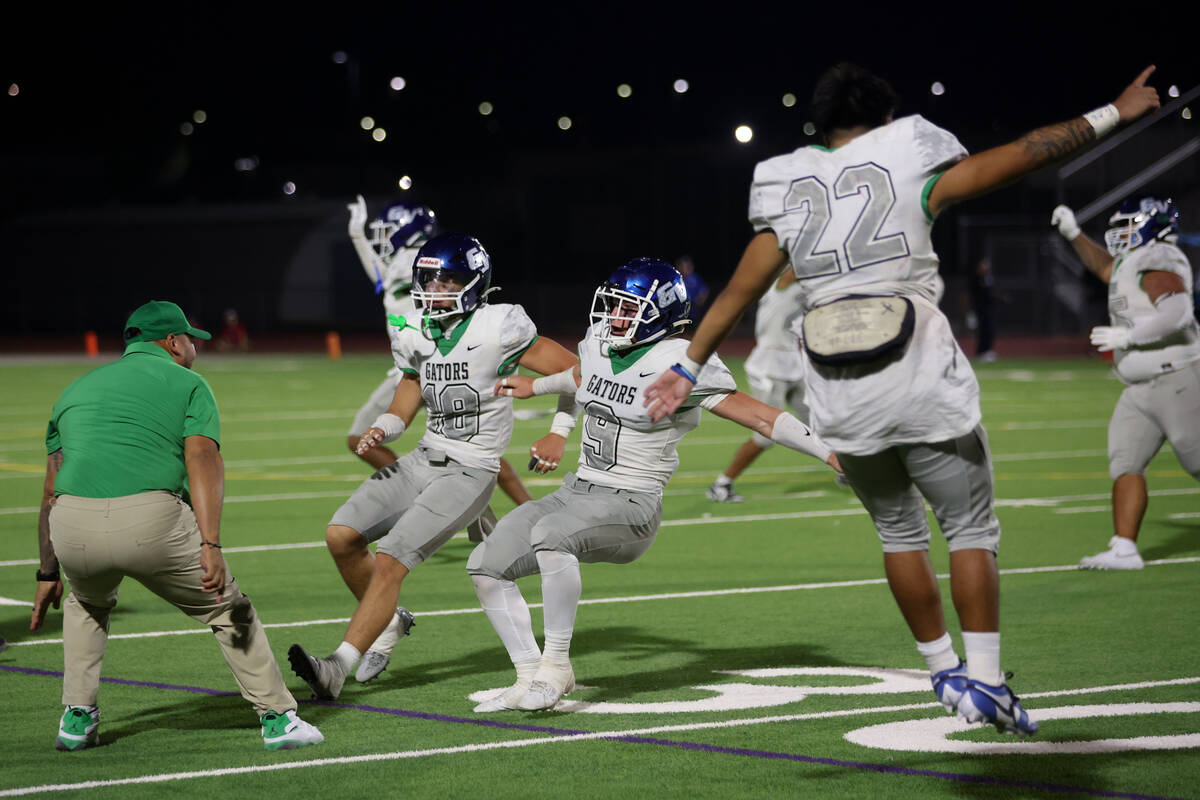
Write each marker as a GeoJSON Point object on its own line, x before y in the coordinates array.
{"type": "Point", "coordinates": [153, 538]}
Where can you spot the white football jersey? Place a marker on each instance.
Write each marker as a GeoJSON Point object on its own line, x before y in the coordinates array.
{"type": "Point", "coordinates": [458, 372]}
{"type": "Point", "coordinates": [621, 447]}
{"type": "Point", "coordinates": [1128, 304]}
{"type": "Point", "coordinates": [854, 220]}
{"type": "Point", "coordinates": [776, 353]}
{"type": "Point", "coordinates": [397, 281]}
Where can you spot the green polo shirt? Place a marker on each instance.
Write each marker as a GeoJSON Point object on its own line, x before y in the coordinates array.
{"type": "Point", "coordinates": [121, 426]}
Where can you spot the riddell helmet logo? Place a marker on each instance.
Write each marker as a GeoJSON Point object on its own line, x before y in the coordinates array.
{"type": "Point", "coordinates": [429, 261]}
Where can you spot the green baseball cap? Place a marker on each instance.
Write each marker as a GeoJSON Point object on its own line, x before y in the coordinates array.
{"type": "Point", "coordinates": [158, 319]}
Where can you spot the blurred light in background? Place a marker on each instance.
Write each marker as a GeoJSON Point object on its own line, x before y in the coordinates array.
{"type": "Point", "coordinates": [289, 188]}
{"type": "Point", "coordinates": [564, 123]}
{"type": "Point", "coordinates": [937, 89]}
{"type": "Point", "coordinates": [397, 83]}
{"type": "Point", "coordinates": [486, 108]}
{"type": "Point", "coordinates": [788, 100]}
{"type": "Point", "coordinates": [1173, 91]}
{"type": "Point", "coordinates": [366, 123]}
{"type": "Point", "coordinates": [340, 57]}
{"type": "Point", "coordinates": [246, 164]}
{"type": "Point", "coordinates": [1186, 113]}
{"type": "Point", "coordinates": [680, 86]}
{"type": "Point", "coordinates": [405, 183]}
{"type": "Point", "coordinates": [199, 116]}
{"type": "Point", "coordinates": [624, 90]}
{"type": "Point", "coordinates": [743, 133]}
{"type": "Point", "coordinates": [13, 90]}
{"type": "Point", "coordinates": [186, 129]}
{"type": "Point", "coordinates": [810, 129]}
{"type": "Point", "coordinates": [379, 134]}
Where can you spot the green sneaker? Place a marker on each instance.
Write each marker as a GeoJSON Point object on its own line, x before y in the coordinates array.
{"type": "Point", "coordinates": [79, 728]}
{"type": "Point", "coordinates": [287, 731]}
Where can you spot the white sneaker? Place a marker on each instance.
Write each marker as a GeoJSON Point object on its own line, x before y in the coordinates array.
{"type": "Point", "coordinates": [549, 684]}
{"type": "Point", "coordinates": [508, 699]}
{"type": "Point", "coordinates": [478, 530]}
{"type": "Point", "coordinates": [1116, 556]}
{"type": "Point", "coordinates": [323, 675]}
{"type": "Point", "coordinates": [724, 493]}
{"type": "Point", "coordinates": [287, 731]}
{"type": "Point", "coordinates": [376, 659]}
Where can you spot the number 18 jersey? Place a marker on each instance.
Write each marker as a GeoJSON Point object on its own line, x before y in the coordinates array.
{"type": "Point", "coordinates": [621, 447]}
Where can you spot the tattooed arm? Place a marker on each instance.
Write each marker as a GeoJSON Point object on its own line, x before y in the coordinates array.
{"type": "Point", "coordinates": [48, 592]}
{"type": "Point", "coordinates": [1000, 166]}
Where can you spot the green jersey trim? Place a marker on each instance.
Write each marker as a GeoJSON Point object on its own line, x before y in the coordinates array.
{"type": "Point", "coordinates": [509, 365]}
{"type": "Point", "coordinates": [822, 148]}
{"type": "Point", "coordinates": [623, 361]}
{"type": "Point", "coordinates": [925, 193]}
{"type": "Point", "coordinates": [410, 371]}
{"type": "Point", "coordinates": [446, 342]}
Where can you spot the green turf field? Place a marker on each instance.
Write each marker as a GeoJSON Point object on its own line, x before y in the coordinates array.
{"type": "Point", "coordinates": [754, 652]}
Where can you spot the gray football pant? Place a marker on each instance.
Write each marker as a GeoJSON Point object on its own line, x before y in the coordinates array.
{"type": "Point", "coordinates": [151, 537]}
{"type": "Point", "coordinates": [591, 522]}
{"type": "Point", "coordinates": [415, 505]}
{"type": "Point", "coordinates": [954, 476]}
{"type": "Point", "coordinates": [1163, 409]}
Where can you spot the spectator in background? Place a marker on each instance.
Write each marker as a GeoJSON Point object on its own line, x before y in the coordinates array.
{"type": "Point", "coordinates": [983, 307]}
{"type": "Point", "coordinates": [697, 289]}
{"type": "Point", "coordinates": [233, 336]}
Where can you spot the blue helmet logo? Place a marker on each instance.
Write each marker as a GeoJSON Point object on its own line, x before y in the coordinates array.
{"type": "Point", "coordinates": [1138, 221]}
{"type": "Point", "coordinates": [641, 302]}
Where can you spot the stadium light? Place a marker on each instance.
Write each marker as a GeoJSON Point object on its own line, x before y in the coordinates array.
{"type": "Point", "coordinates": [379, 134]}
{"type": "Point", "coordinates": [340, 57]}
{"type": "Point", "coordinates": [624, 90]}
{"type": "Point", "coordinates": [937, 89]}
{"type": "Point", "coordinates": [486, 108]}
{"type": "Point", "coordinates": [788, 100]}
{"type": "Point", "coordinates": [680, 86]}
{"type": "Point", "coordinates": [289, 188]}
{"type": "Point", "coordinates": [1173, 91]}
{"type": "Point", "coordinates": [13, 90]}
{"type": "Point", "coordinates": [810, 129]}
{"type": "Point", "coordinates": [743, 133]}
{"type": "Point", "coordinates": [1186, 113]}
{"type": "Point", "coordinates": [245, 164]}
{"type": "Point", "coordinates": [404, 183]}
{"type": "Point", "coordinates": [366, 123]}
{"type": "Point", "coordinates": [397, 83]}
{"type": "Point", "coordinates": [564, 123]}
{"type": "Point", "coordinates": [186, 129]}
{"type": "Point", "coordinates": [199, 116]}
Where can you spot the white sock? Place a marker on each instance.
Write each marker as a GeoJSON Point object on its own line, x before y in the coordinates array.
{"type": "Point", "coordinates": [509, 614]}
{"type": "Point", "coordinates": [346, 657]}
{"type": "Point", "coordinates": [1124, 547]}
{"type": "Point", "coordinates": [983, 657]}
{"type": "Point", "coordinates": [939, 654]}
{"type": "Point", "coordinates": [723, 480]}
{"type": "Point", "coordinates": [561, 588]}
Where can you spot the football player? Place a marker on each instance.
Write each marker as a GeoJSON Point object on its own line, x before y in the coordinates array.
{"type": "Point", "coordinates": [1155, 344]}
{"type": "Point", "coordinates": [450, 349]}
{"type": "Point", "coordinates": [886, 384]}
{"type": "Point", "coordinates": [610, 508]}
{"type": "Point", "coordinates": [774, 373]}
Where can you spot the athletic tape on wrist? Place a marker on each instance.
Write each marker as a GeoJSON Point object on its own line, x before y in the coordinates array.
{"type": "Point", "coordinates": [558, 383]}
{"type": "Point", "coordinates": [693, 367]}
{"type": "Point", "coordinates": [562, 424]}
{"type": "Point", "coordinates": [391, 425]}
{"type": "Point", "coordinates": [1103, 119]}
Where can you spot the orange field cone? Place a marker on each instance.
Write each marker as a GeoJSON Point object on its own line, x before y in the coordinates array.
{"type": "Point", "coordinates": [91, 343]}
{"type": "Point", "coordinates": [333, 345]}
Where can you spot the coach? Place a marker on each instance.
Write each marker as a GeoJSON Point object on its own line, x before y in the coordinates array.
{"type": "Point", "coordinates": [126, 443]}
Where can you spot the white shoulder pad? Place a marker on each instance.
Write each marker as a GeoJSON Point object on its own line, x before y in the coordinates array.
{"type": "Point", "coordinates": [937, 149]}
{"type": "Point", "coordinates": [517, 330]}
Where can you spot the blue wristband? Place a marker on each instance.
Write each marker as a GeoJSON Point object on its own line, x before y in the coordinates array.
{"type": "Point", "coordinates": [679, 369]}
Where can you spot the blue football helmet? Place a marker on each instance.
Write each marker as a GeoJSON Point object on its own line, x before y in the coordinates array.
{"type": "Point", "coordinates": [401, 225]}
{"type": "Point", "coordinates": [1140, 220]}
{"type": "Point", "coordinates": [452, 275]}
{"type": "Point", "coordinates": [643, 301]}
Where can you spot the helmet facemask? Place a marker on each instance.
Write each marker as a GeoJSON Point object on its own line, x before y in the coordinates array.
{"type": "Point", "coordinates": [1134, 225]}
{"type": "Point", "coordinates": [618, 316]}
{"type": "Point", "coordinates": [437, 302]}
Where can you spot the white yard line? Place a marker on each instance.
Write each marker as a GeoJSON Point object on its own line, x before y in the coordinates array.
{"type": "Point", "coordinates": [165, 777]}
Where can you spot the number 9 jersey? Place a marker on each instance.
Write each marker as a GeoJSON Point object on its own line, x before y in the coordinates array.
{"type": "Point", "coordinates": [854, 219]}
{"type": "Point", "coordinates": [621, 448]}
{"type": "Point", "coordinates": [457, 371]}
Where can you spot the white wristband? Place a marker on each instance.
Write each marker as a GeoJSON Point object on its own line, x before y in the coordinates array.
{"type": "Point", "coordinates": [391, 425]}
{"type": "Point", "coordinates": [562, 424]}
{"type": "Point", "coordinates": [693, 367]}
{"type": "Point", "coordinates": [558, 383]}
{"type": "Point", "coordinates": [1103, 119]}
{"type": "Point", "coordinates": [791, 432]}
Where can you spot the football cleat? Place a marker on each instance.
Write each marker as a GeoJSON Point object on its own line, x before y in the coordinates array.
{"type": "Point", "coordinates": [79, 728]}
{"type": "Point", "coordinates": [724, 493]}
{"type": "Point", "coordinates": [1115, 557]}
{"type": "Point", "coordinates": [995, 705]}
{"type": "Point", "coordinates": [508, 699]}
{"type": "Point", "coordinates": [376, 659]}
{"type": "Point", "coordinates": [287, 731]}
{"type": "Point", "coordinates": [949, 684]}
{"type": "Point", "coordinates": [549, 684]}
{"type": "Point", "coordinates": [323, 675]}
